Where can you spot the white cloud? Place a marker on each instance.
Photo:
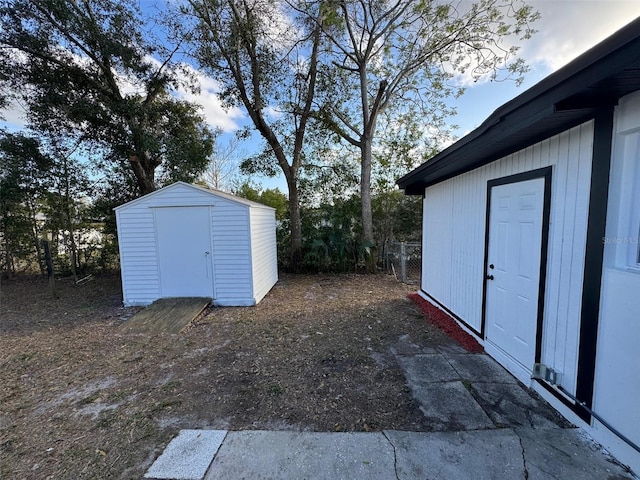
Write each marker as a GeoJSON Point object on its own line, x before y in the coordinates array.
{"type": "Point", "coordinates": [212, 109]}
{"type": "Point", "coordinates": [215, 115]}
{"type": "Point", "coordinates": [568, 28]}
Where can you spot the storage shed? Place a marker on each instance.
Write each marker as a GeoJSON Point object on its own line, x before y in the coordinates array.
{"type": "Point", "coordinates": [188, 241]}
{"type": "Point", "coordinates": [531, 228]}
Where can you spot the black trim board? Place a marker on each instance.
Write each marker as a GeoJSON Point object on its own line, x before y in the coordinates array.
{"type": "Point", "coordinates": [592, 281]}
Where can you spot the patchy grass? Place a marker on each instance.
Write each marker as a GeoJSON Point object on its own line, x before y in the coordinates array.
{"type": "Point", "coordinates": [80, 399]}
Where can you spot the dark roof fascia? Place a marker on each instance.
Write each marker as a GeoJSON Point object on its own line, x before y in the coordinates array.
{"type": "Point", "coordinates": [572, 94]}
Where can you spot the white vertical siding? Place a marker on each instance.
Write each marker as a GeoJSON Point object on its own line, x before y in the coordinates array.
{"type": "Point", "coordinates": [138, 255]}
{"type": "Point", "coordinates": [567, 244]}
{"type": "Point", "coordinates": [454, 240]}
{"type": "Point", "coordinates": [263, 251]}
{"type": "Point", "coordinates": [436, 242]}
{"type": "Point", "coordinates": [231, 254]}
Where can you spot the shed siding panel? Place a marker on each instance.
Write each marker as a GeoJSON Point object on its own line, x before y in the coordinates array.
{"type": "Point", "coordinates": [182, 195]}
{"type": "Point", "coordinates": [263, 255]}
{"type": "Point", "coordinates": [231, 250]}
{"type": "Point", "coordinates": [138, 255]}
{"type": "Point", "coordinates": [454, 239]}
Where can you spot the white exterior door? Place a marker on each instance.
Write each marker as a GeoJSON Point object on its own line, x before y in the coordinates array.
{"type": "Point", "coordinates": [513, 269]}
{"type": "Point", "coordinates": [184, 247]}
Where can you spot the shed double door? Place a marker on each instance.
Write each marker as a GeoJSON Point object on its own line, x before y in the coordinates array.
{"type": "Point", "coordinates": [185, 251]}
{"type": "Point", "coordinates": [513, 268]}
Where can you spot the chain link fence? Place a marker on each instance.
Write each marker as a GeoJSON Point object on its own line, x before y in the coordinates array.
{"type": "Point", "coordinates": [404, 261]}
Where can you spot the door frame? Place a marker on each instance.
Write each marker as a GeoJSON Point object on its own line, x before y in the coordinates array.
{"type": "Point", "coordinates": [544, 173]}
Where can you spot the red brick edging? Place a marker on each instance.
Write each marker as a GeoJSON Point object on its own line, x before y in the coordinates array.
{"type": "Point", "coordinates": [447, 324]}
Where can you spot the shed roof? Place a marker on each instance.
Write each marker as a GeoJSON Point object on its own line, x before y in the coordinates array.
{"type": "Point", "coordinates": [208, 191]}
{"type": "Point", "coordinates": [566, 98]}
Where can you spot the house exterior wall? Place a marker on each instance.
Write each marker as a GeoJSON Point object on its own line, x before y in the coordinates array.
{"type": "Point", "coordinates": [454, 227]}
{"type": "Point", "coordinates": [232, 243]}
{"type": "Point", "coordinates": [263, 251]}
{"type": "Point", "coordinates": [617, 376]}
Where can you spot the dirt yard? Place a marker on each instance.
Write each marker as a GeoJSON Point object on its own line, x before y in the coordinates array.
{"type": "Point", "coordinates": [81, 399]}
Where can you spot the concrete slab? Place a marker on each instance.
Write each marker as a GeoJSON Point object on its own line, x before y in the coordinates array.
{"type": "Point", "coordinates": [509, 405]}
{"type": "Point", "coordinates": [560, 453]}
{"type": "Point", "coordinates": [404, 346]}
{"type": "Point", "coordinates": [449, 406]}
{"type": "Point", "coordinates": [299, 455]}
{"type": "Point", "coordinates": [188, 456]}
{"type": "Point", "coordinates": [452, 348]}
{"type": "Point", "coordinates": [420, 370]}
{"type": "Point", "coordinates": [478, 455]}
{"type": "Point", "coordinates": [479, 367]}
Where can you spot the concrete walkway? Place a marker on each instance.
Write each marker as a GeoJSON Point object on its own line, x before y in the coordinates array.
{"type": "Point", "coordinates": [485, 426]}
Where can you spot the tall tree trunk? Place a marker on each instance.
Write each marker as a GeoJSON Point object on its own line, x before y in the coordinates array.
{"type": "Point", "coordinates": [144, 173]}
{"type": "Point", "coordinates": [295, 255]}
{"type": "Point", "coordinates": [365, 190]}
{"type": "Point", "coordinates": [34, 232]}
{"type": "Point", "coordinates": [9, 264]}
{"type": "Point", "coordinates": [365, 199]}
{"type": "Point", "coordinates": [69, 219]}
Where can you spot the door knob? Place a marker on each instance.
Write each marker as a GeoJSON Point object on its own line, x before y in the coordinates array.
{"type": "Point", "coordinates": [489, 277]}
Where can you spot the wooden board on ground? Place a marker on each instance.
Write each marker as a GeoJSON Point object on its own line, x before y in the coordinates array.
{"type": "Point", "coordinates": [169, 315]}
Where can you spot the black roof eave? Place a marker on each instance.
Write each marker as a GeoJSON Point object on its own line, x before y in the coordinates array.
{"type": "Point", "coordinates": [564, 99]}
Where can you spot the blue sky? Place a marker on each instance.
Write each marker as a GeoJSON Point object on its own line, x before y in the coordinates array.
{"type": "Point", "coordinates": [567, 29]}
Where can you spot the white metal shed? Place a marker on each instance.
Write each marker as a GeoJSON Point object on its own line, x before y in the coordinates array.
{"type": "Point", "coordinates": [188, 241]}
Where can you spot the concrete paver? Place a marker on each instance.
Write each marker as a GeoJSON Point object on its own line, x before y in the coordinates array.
{"type": "Point", "coordinates": [404, 346]}
{"type": "Point", "coordinates": [509, 405]}
{"type": "Point", "coordinates": [188, 456]}
{"type": "Point", "coordinates": [563, 453]}
{"type": "Point", "coordinates": [299, 455]}
{"type": "Point", "coordinates": [480, 368]}
{"type": "Point", "coordinates": [452, 348]}
{"type": "Point", "coordinates": [478, 455]}
{"type": "Point", "coordinates": [423, 369]}
{"type": "Point", "coordinates": [450, 407]}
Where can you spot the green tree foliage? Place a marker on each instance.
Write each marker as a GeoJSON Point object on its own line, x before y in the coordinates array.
{"type": "Point", "coordinates": [24, 173]}
{"type": "Point", "coordinates": [66, 202]}
{"type": "Point", "coordinates": [94, 70]}
{"type": "Point", "coordinates": [397, 58]}
{"type": "Point", "coordinates": [267, 64]}
{"type": "Point", "coordinates": [45, 192]}
{"type": "Point", "coordinates": [396, 217]}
